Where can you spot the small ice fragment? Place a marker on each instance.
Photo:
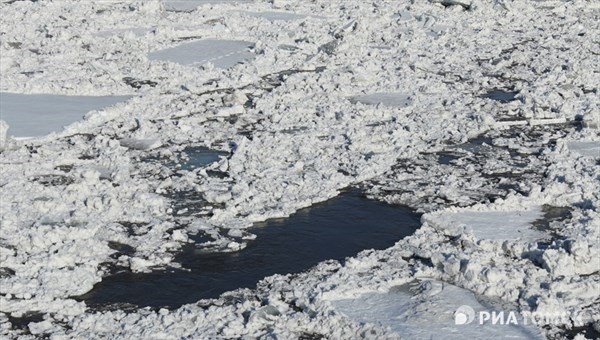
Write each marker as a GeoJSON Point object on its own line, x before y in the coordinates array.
{"type": "Point", "coordinates": [140, 144]}
{"type": "Point", "coordinates": [179, 235]}
{"type": "Point", "coordinates": [329, 47]}
{"type": "Point", "coordinates": [466, 4]}
{"type": "Point", "coordinates": [591, 120]}
{"type": "Point", "coordinates": [3, 136]}
{"type": "Point", "coordinates": [547, 121]}
{"type": "Point", "coordinates": [234, 245]}
{"type": "Point", "coordinates": [387, 99]}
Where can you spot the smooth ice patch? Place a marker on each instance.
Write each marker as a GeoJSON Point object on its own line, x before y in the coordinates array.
{"type": "Point", "coordinates": [428, 311]}
{"type": "Point", "coordinates": [222, 53]}
{"type": "Point", "coordinates": [334, 229]}
{"type": "Point", "coordinates": [137, 31]}
{"type": "Point", "coordinates": [275, 16]}
{"type": "Point", "coordinates": [403, 16]}
{"type": "Point", "coordinates": [586, 148]}
{"type": "Point", "coordinates": [387, 99]}
{"type": "Point", "coordinates": [191, 5]}
{"type": "Point", "coordinates": [490, 225]}
{"type": "Point", "coordinates": [33, 115]}
{"type": "Point", "coordinates": [140, 144]}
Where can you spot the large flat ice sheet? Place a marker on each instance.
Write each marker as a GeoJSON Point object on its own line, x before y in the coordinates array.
{"type": "Point", "coordinates": [490, 225]}
{"type": "Point", "coordinates": [586, 148]}
{"type": "Point", "coordinates": [275, 15]}
{"type": "Point", "coordinates": [430, 311]}
{"type": "Point", "coordinates": [222, 53]}
{"type": "Point", "coordinates": [33, 115]}
{"type": "Point", "coordinates": [190, 5]}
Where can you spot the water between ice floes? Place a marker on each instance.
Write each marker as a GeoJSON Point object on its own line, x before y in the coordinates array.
{"type": "Point", "coordinates": [340, 227]}
{"type": "Point", "coordinates": [502, 95]}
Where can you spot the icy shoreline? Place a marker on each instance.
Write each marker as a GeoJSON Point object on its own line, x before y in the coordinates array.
{"type": "Point", "coordinates": [295, 139]}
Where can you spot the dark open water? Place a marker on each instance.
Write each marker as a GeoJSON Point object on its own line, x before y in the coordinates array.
{"type": "Point", "coordinates": [336, 229]}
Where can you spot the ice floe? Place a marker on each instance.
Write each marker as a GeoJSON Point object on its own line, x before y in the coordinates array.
{"type": "Point", "coordinates": [586, 148]}
{"type": "Point", "coordinates": [132, 30]}
{"type": "Point", "coordinates": [387, 99]}
{"type": "Point", "coordinates": [140, 144]}
{"type": "Point", "coordinates": [221, 53]}
{"type": "Point", "coordinates": [191, 5]}
{"type": "Point", "coordinates": [493, 225]}
{"type": "Point", "coordinates": [430, 309]}
{"type": "Point", "coordinates": [33, 115]}
{"type": "Point", "coordinates": [275, 16]}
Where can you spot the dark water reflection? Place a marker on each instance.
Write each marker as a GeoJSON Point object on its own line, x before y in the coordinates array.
{"type": "Point", "coordinates": [335, 229]}
{"type": "Point", "coordinates": [502, 95]}
{"type": "Point", "coordinates": [198, 157]}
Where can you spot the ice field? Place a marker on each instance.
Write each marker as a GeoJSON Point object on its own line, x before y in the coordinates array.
{"type": "Point", "coordinates": [291, 169]}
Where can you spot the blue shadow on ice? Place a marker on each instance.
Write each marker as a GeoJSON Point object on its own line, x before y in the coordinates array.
{"type": "Point", "coordinates": [335, 229]}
